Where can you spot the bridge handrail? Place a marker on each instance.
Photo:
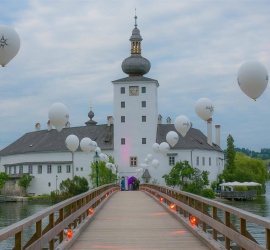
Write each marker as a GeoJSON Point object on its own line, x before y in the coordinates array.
{"type": "Point", "coordinates": [188, 204]}
{"type": "Point", "coordinates": [71, 213]}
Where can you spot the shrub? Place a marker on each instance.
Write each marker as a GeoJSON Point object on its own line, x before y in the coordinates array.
{"type": "Point", "coordinates": [208, 193]}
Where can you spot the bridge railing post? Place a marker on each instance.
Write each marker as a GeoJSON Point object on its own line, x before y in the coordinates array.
{"type": "Point", "coordinates": [228, 224]}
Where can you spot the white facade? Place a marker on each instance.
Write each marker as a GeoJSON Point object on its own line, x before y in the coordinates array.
{"type": "Point", "coordinates": [135, 121]}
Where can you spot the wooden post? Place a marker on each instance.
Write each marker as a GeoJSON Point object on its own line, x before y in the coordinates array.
{"type": "Point", "coordinates": [214, 232]}
{"type": "Point", "coordinates": [51, 224]}
{"type": "Point", "coordinates": [243, 228]}
{"type": "Point", "coordinates": [18, 240]}
{"type": "Point", "coordinates": [228, 224]}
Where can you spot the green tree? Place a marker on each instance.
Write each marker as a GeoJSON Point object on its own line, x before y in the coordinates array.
{"type": "Point", "coordinates": [78, 185]}
{"type": "Point", "coordinates": [247, 169]}
{"type": "Point", "coordinates": [229, 167]}
{"type": "Point", "coordinates": [178, 174]}
{"type": "Point", "coordinates": [104, 173]}
{"type": "Point", "coordinates": [191, 179]}
{"type": "Point", "coordinates": [199, 180]}
{"type": "Point", "coordinates": [230, 155]}
{"type": "Point", "coordinates": [25, 181]}
{"type": "Point", "coordinates": [3, 178]}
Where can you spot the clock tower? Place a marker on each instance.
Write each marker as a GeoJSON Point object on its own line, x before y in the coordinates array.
{"type": "Point", "coordinates": [135, 110]}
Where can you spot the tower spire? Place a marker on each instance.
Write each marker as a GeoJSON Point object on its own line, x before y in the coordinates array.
{"type": "Point", "coordinates": [135, 19]}
{"type": "Point", "coordinates": [136, 65]}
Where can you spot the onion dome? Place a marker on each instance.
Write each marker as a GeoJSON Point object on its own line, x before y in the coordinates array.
{"type": "Point", "coordinates": [91, 115]}
{"type": "Point", "coordinates": [136, 65]}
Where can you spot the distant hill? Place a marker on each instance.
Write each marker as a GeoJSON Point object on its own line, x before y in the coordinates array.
{"type": "Point", "coordinates": [264, 154]}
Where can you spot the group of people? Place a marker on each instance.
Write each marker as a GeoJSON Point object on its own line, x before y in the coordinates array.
{"type": "Point", "coordinates": [135, 184]}
{"type": "Point", "coordinates": [131, 184]}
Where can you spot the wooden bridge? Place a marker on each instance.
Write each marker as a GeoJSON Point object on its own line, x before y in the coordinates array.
{"type": "Point", "coordinates": [153, 218]}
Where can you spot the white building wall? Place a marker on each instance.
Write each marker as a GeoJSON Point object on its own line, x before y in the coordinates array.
{"type": "Point", "coordinates": [214, 169]}
{"type": "Point", "coordinates": [133, 129]}
{"type": "Point", "coordinates": [46, 182]}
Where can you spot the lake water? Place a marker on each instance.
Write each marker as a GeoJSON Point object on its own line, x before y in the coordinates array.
{"type": "Point", "coordinates": [12, 212]}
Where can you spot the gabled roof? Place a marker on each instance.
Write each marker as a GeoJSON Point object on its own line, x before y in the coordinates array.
{"type": "Point", "coordinates": [194, 138]}
{"type": "Point", "coordinates": [48, 141]}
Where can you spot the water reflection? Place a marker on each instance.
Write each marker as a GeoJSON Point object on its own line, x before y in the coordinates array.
{"type": "Point", "coordinates": [12, 212]}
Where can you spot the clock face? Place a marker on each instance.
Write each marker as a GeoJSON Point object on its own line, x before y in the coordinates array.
{"type": "Point", "coordinates": [133, 90]}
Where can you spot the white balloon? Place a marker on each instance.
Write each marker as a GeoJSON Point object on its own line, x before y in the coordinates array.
{"type": "Point", "coordinates": [72, 142]}
{"type": "Point", "coordinates": [182, 124]}
{"type": "Point", "coordinates": [149, 157]}
{"type": "Point", "coordinates": [156, 147]}
{"type": "Point", "coordinates": [58, 115]}
{"type": "Point", "coordinates": [146, 160]}
{"type": "Point", "coordinates": [204, 108]}
{"type": "Point", "coordinates": [108, 165]}
{"type": "Point", "coordinates": [252, 79]}
{"type": "Point", "coordinates": [155, 163]}
{"type": "Point", "coordinates": [94, 145]}
{"type": "Point", "coordinates": [164, 148]}
{"type": "Point", "coordinates": [143, 165]}
{"type": "Point", "coordinates": [172, 138]}
{"type": "Point", "coordinates": [98, 150]}
{"type": "Point", "coordinates": [9, 44]}
{"type": "Point", "coordinates": [86, 145]}
{"type": "Point", "coordinates": [102, 157]}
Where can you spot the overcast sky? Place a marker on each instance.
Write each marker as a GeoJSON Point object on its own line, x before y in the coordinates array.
{"type": "Point", "coordinates": [71, 51]}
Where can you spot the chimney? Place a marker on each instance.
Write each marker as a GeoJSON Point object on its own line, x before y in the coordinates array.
{"type": "Point", "coordinates": [159, 119]}
{"type": "Point", "coordinates": [209, 131]}
{"type": "Point", "coordinates": [37, 126]}
{"type": "Point", "coordinates": [49, 125]}
{"type": "Point", "coordinates": [168, 120]}
{"type": "Point", "coordinates": [109, 120]}
{"type": "Point", "coordinates": [218, 135]}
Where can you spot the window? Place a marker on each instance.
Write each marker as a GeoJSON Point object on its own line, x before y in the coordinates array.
{"type": "Point", "coordinates": [203, 161]}
{"type": "Point", "coordinates": [143, 104]}
{"type": "Point", "coordinates": [143, 118]}
{"type": "Point", "coordinates": [6, 169]}
{"type": "Point", "coordinates": [68, 168]}
{"type": "Point", "coordinates": [81, 168]}
{"type": "Point", "coordinates": [49, 169]}
{"type": "Point", "coordinates": [14, 170]}
{"type": "Point", "coordinates": [197, 161]}
{"type": "Point", "coordinates": [30, 169]}
{"type": "Point", "coordinates": [20, 169]}
{"type": "Point", "coordinates": [210, 161]}
{"type": "Point", "coordinates": [123, 118]}
{"type": "Point", "coordinates": [59, 169]}
{"type": "Point", "coordinates": [133, 161]}
{"type": "Point", "coordinates": [39, 169]}
{"type": "Point", "coordinates": [123, 90]}
{"type": "Point", "coordinates": [77, 169]}
{"type": "Point", "coordinates": [49, 184]}
{"type": "Point", "coordinates": [9, 170]}
{"type": "Point", "coordinates": [171, 161]}
{"type": "Point", "coordinates": [123, 104]}
{"type": "Point", "coordinates": [123, 141]}
{"type": "Point", "coordinates": [143, 89]}
{"type": "Point", "coordinates": [143, 140]}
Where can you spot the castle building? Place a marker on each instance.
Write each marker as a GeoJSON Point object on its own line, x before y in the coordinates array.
{"type": "Point", "coordinates": [128, 136]}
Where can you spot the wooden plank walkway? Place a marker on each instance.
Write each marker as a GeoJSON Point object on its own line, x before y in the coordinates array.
{"type": "Point", "coordinates": [131, 220]}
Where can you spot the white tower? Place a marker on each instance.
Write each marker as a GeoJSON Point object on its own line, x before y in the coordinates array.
{"type": "Point", "coordinates": [135, 110]}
